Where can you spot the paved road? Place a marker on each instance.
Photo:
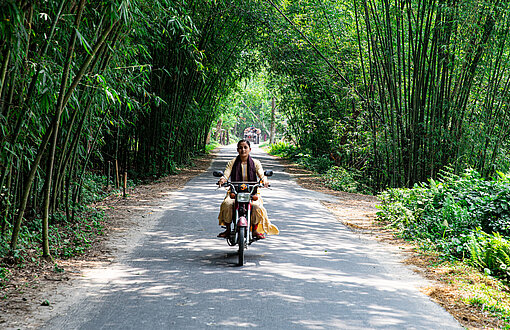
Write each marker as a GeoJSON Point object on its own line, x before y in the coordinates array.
{"type": "Point", "coordinates": [316, 274]}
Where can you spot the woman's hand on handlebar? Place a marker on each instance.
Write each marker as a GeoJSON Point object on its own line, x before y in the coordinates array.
{"type": "Point", "coordinates": [265, 182]}
{"type": "Point", "coordinates": [221, 181]}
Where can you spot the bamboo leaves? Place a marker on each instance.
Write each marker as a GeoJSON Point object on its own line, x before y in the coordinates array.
{"type": "Point", "coordinates": [394, 89]}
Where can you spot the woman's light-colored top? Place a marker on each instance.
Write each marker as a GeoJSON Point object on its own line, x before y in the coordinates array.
{"type": "Point", "coordinates": [244, 169]}
{"type": "Point", "coordinates": [259, 211]}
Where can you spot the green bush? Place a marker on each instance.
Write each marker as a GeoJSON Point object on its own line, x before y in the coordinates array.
{"type": "Point", "coordinates": [211, 146]}
{"type": "Point", "coordinates": [283, 149]}
{"type": "Point", "coordinates": [287, 150]}
{"type": "Point", "coordinates": [490, 253]}
{"type": "Point", "coordinates": [338, 178]}
{"type": "Point", "coordinates": [316, 164]}
{"type": "Point", "coordinates": [93, 188]}
{"type": "Point", "coordinates": [397, 214]}
{"type": "Point", "coordinates": [446, 212]}
{"type": "Point", "coordinates": [335, 177]}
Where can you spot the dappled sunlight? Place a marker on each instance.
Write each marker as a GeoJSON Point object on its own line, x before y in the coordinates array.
{"type": "Point", "coordinates": [285, 297]}
{"type": "Point", "coordinates": [316, 274]}
{"type": "Point", "coordinates": [324, 324]}
{"type": "Point", "coordinates": [219, 290]}
{"type": "Point", "coordinates": [331, 276]}
{"type": "Point", "coordinates": [117, 274]}
{"type": "Point", "coordinates": [237, 322]}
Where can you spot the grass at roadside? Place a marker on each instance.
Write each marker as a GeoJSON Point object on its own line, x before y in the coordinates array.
{"type": "Point", "coordinates": [264, 145]}
{"type": "Point", "coordinates": [211, 146]}
{"type": "Point", "coordinates": [475, 299]}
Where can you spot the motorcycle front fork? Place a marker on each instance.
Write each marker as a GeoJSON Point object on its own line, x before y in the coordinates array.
{"type": "Point", "coordinates": [234, 229]}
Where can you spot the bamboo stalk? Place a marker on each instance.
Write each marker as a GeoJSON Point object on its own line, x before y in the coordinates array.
{"type": "Point", "coordinates": [117, 182]}
{"type": "Point", "coordinates": [125, 185]}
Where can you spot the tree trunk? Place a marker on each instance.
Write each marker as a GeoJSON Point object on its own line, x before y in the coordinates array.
{"type": "Point", "coordinates": [273, 119]}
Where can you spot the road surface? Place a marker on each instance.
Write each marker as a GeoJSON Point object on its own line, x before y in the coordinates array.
{"type": "Point", "coordinates": [317, 274]}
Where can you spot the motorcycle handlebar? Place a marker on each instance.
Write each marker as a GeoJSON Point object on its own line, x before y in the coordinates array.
{"type": "Point", "coordinates": [258, 184]}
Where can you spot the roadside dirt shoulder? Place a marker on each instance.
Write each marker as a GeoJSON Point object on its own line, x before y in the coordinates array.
{"type": "Point", "coordinates": [36, 293]}
{"type": "Point", "coordinates": [358, 212]}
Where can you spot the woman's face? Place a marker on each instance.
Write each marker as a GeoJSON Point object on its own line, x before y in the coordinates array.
{"type": "Point", "coordinates": [243, 149]}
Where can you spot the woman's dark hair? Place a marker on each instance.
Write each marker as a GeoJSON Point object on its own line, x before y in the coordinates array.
{"type": "Point", "coordinates": [243, 140]}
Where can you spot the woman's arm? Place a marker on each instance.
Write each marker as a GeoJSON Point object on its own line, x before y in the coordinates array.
{"type": "Point", "coordinates": [227, 172]}
{"type": "Point", "coordinates": [228, 168]}
{"type": "Point", "coordinates": [260, 172]}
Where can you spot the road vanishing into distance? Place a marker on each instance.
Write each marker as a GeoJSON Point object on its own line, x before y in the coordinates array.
{"type": "Point", "coordinates": [317, 274]}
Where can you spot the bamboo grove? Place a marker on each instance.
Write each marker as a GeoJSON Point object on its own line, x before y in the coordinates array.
{"type": "Point", "coordinates": [95, 85]}
{"type": "Point", "coordinates": [397, 90]}
{"type": "Point", "coordinates": [393, 90]}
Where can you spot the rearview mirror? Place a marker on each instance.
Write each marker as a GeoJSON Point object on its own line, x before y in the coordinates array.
{"type": "Point", "coordinates": [268, 173]}
{"type": "Point", "coordinates": [218, 174]}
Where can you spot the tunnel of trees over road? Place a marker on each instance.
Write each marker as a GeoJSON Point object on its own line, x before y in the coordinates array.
{"type": "Point", "coordinates": [394, 90]}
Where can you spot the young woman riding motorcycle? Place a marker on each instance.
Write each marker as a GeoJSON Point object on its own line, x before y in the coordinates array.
{"type": "Point", "coordinates": [245, 168]}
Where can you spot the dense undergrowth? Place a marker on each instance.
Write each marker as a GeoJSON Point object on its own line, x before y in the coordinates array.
{"type": "Point", "coordinates": [465, 218]}
{"type": "Point", "coordinates": [462, 216]}
{"type": "Point", "coordinates": [334, 177]}
{"type": "Point", "coordinates": [69, 234]}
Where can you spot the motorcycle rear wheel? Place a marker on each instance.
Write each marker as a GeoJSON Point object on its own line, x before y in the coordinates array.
{"type": "Point", "coordinates": [241, 242]}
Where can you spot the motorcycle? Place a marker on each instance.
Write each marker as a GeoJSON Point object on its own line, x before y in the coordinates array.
{"type": "Point", "coordinates": [240, 226]}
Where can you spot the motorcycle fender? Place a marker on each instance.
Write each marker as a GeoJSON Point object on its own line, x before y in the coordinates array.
{"type": "Point", "coordinates": [243, 222]}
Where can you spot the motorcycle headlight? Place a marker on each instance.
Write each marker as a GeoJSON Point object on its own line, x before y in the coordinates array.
{"type": "Point", "coordinates": [243, 197]}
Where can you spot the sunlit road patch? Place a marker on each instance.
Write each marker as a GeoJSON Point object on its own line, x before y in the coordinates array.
{"type": "Point", "coordinates": [316, 274]}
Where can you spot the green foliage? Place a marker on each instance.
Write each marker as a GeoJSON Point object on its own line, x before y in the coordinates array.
{"type": "Point", "coordinates": [491, 254]}
{"type": "Point", "coordinates": [211, 146]}
{"type": "Point", "coordinates": [248, 103]}
{"type": "Point", "coordinates": [361, 91]}
{"type": "Point", "coordinates": [444, 214]}
{"type": "Point", "coordinates": [69, 240]}
{"type": "Point", "coordinates": [396, 214]}
{"type": "Point", "coordinates": [94, 188]}
{"type": "Point", "coordinates": [66, 239]}
{"type": "Point", "coordinates": [317, 164]}
{"type": "Point", "coordinates": [477, 289]}
{"type": "Point", "coordinates": [282, 149]}
{"type": "Point", "coordinates": [313, 98]}
{"type": "Point", "coordinates": [286, 150]}
{"type": "Point", "coordinates": [334, 177]}
{"type": "Point", "coordinates": [491, 301]}
{"type": "Point", "coordinates": [4, 274]}
{"type": "Point", "coordinates": [338, 178]}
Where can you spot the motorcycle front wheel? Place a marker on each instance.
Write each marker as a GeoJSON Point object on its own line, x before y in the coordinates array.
{"type": "Point", "coordinates": [241, 242]}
